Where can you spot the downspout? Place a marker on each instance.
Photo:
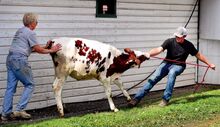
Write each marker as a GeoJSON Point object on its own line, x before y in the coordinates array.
{"type": "Point", "coordinates": [198, 38]}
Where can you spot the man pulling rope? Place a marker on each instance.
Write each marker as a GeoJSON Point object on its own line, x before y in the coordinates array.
{"type": "Point", "coordinates": [178, 49]}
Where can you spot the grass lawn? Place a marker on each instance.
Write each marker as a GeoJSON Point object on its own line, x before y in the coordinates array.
{"type": "Point", "coordinates": [195, 110]}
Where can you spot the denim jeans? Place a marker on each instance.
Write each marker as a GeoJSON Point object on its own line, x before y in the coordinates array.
{"type": "Point", "coordinates": [17, 70]}
{"type": "Point", "coordinates": [164, 69]}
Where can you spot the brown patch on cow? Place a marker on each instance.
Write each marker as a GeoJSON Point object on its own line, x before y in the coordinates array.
{"type": "Point", "coordinates": [81, 47]}
{"type": "Point", "coordinates": [78, 44]}
{"type": "Point", "coordinates": [94, 56]}
{"type": "Point", "coordinates": [142, 58]}
{"type": "Point", "coordinates": [132, 56]}
{"type": "Point", "coordinates": [120, 64]}
{"type": "Point", "coordinates": [85, 48]}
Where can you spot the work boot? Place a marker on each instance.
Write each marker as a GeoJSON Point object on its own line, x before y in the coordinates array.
{"type": "Point", "coordinates": [163, 103]}
{"type": "Point", "coordinates": [133, 102]}
{"type": "Point", "coordinates": [22, 115]}
{"type": "Point", "coordinates": [8, 117]}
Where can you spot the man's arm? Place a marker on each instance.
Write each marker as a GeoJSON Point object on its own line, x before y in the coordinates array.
{"type": "Point", "coordinates": [155, 51]}
{"type": "Point", "coordinates": [204, 60]}
{"type": "Point", "coordinates": [43, 50]}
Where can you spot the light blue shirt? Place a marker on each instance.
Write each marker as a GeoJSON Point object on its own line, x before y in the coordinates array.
{"type": "Point", "coordinates": [23, 41]}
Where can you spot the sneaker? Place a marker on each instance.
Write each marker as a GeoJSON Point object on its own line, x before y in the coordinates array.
{"type": "Point", "coordinates": [8, 117]}
{"type": "Point", "coordinates": [163, 103]}
{"type": "Point", "coordinates": [22, 115]}
{"type": "Point", "coordinates": [133, 103]}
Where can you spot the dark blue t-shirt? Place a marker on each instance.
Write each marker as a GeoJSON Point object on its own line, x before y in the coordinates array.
{"type": "Point", "coordinates": [178, 51]}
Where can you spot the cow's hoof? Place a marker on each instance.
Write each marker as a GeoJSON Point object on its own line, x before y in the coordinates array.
{"type": "Point", "coordinates": [61, 115]}
{"type": "Point", "coordinates": [128, 99]}
{"type": "Point", "coordinates": [116, 110]}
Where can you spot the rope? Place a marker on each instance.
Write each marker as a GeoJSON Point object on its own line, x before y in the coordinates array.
{"type": "Point", "coordinates": [198, 65]}
{"type": "Point", "coordinates": [137, 83]}
{"type": "Point", "coordinates": [198, 84]}
{"type": "Point", "coordinates": [203, 79]}
{"type": "Point", "coordinates": [174, 61]}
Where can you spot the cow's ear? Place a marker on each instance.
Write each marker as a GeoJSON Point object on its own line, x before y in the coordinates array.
{"type": "Point", "coordinates": [127, 50]}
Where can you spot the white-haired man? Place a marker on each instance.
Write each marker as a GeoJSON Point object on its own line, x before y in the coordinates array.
{"type": "Point", "coordinates": [178, 49]}
{"type": "Point", "coordinates": [24, 42]}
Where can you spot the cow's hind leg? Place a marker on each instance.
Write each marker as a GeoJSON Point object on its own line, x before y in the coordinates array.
{"type": "Point", "coordinates": [57, 88]}
{"type": "Point", "coordinates": [120, 85]}
{"type": "Point", "coordinates": [108, 92]}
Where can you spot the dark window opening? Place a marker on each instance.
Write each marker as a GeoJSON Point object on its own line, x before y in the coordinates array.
{"type": "Point", "coordinates": [106, 8]}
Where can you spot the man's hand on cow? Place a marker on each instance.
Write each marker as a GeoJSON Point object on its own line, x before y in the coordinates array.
{"type": "Point", "coordinates": [49, 44]}
{"type": "Point", "coordinates": [56, 48]}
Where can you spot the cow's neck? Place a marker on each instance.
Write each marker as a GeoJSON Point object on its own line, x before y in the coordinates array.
{"type": "Point", "coordinates": [119, 65]}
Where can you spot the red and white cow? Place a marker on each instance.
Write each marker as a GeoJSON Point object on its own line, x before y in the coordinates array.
{"type": "Point", "coordinates": [84, 59]}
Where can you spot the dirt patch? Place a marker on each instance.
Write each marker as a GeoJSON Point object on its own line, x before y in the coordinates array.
{"type": "Point", "coordinates": [76, 109]}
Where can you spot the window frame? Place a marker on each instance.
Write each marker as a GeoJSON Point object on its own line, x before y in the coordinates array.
{"type": "Point", "coordinates": [101, 15]}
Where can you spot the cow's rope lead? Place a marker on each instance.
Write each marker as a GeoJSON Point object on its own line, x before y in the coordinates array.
{"type": "Point", "coordinates": [197, 84]}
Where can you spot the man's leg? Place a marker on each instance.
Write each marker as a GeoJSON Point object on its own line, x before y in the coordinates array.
{"type": "Point", "coordinates": [174, 71]}
{"type": "Point", "coordinates": [26, 77]}
{"type": "Point", "coordinates": [9, 93]}
{"type": "Point", "coordinates": [160, 73]}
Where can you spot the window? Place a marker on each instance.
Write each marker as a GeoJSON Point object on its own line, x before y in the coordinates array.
{"type": "Point", "coordinates": [106, 8]}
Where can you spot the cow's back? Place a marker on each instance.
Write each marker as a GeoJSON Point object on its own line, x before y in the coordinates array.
{"type": "Point", "coordinates": [84, 59]}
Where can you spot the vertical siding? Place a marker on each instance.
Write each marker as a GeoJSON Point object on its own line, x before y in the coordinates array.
{"type": "Point", "coordinates": [210, 48]}
{"type": "Point", "coordinates": [140, 24]}
{"type": "Point", "coordinates": [209, 38]}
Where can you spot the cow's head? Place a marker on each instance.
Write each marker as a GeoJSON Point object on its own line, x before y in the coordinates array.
{"type": "Point", "coordinates": [136, 57]}
{"type": "Point", "coordinates": [127, 60]}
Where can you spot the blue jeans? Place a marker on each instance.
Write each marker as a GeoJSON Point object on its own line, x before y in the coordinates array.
{"type": "Point", "coordinates": [17, 70]}
{"type": "Point", "coordinates": [172, 70]}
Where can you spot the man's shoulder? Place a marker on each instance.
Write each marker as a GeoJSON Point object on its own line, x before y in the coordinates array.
{"type": "Point", "coordinates": [188, 42]}
{"type": "Point", "coordinates": [169, 40]}
{"type": "Point", "coordinates": [26, 30]}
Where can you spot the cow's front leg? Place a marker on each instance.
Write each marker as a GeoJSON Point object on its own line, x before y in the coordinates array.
{"type": "Point", "coordinates": [108, 93]}
{"type": "Point", "coordinates": [57, 88]}
{"type": "Point", "coordinates": [120, 85]}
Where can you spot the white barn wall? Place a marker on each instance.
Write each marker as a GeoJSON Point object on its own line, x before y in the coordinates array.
{"type": "Point", "coordinates": [210, 48]}
{"type": "Point", "coordinates": [209, 41]}
{"type": "Point", "coordinates": [140, 25]}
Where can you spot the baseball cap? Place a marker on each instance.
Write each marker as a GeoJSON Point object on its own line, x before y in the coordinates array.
{"type": "Point", "coordinates": [180, 32]}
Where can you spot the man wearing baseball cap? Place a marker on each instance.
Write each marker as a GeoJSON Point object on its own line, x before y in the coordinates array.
{"type": "Point", "coordinates": [178, 49]}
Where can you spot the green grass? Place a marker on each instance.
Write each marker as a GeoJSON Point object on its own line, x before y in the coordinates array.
{"type": "Point", "coordinates": [199, 109]}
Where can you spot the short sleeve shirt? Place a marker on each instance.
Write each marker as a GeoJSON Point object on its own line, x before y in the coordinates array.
{"type": "Point", "coordinates": [23, 41]}
{"type": "Point", "coordinates": [178, 51]}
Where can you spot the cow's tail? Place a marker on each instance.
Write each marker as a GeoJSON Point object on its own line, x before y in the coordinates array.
{"type": "Point", "coordinates": [53, 55]}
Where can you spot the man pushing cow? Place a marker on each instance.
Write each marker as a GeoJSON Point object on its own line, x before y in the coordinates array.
{"type": "Point", "coordinates": [76, 57]}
